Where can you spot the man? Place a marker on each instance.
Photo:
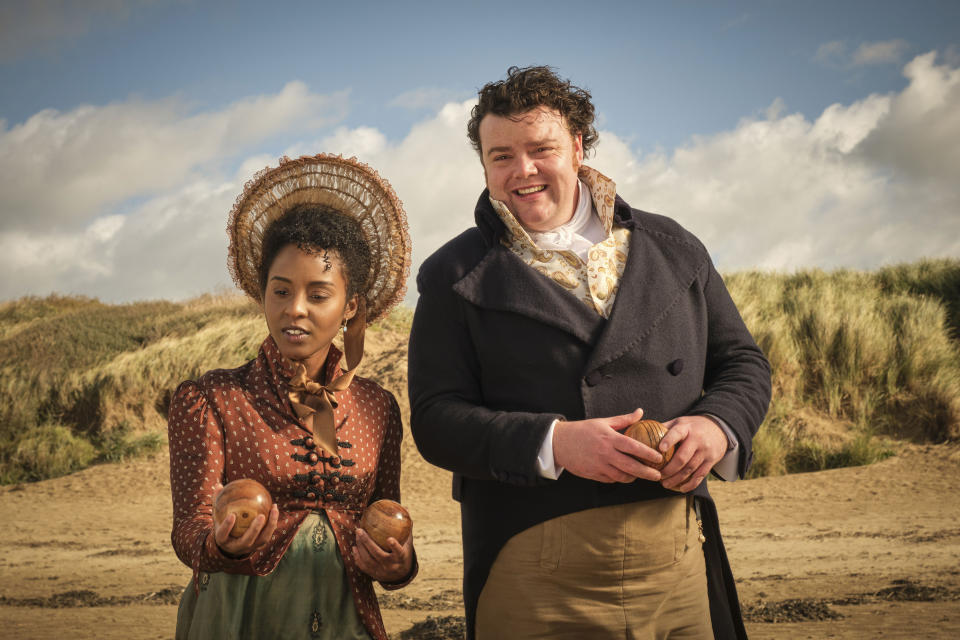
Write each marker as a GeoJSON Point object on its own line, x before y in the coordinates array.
{"type": "Point", "coordinates": [542, 333]}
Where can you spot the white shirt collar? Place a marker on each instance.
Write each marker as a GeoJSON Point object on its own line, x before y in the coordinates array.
{"type": "Point", "coordinates": [579, 233]}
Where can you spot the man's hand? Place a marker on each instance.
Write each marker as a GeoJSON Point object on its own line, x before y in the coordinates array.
{"type": "Point", "coordinates": [595, 449]}
{"type": "Point", "coordinates": [701, 443]}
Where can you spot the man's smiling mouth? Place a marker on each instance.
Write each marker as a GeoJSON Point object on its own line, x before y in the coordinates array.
{"type": "Point", "coordinates": [528, 190]}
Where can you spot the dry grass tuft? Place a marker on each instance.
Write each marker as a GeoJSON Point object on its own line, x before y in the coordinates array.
{"type": "Point", "coordinates": [858, 358]}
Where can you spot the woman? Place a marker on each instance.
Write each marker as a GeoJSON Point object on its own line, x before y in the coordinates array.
{"type": "Point", "coordinates": [321, 243]}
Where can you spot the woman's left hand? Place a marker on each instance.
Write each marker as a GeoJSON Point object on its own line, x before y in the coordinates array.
{"type": "Point", "coordinates": [392, 565]}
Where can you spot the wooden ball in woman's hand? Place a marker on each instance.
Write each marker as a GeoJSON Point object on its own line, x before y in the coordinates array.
{"type": "Point", "coordinates": [650, 433]}
{"type": "Point", "coordinates": [246, 499]}
{"type": "Point", "coordinates": [386, 519]}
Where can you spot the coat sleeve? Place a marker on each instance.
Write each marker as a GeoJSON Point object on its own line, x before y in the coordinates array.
{"type": "Point", "coordinates": [736, 385]}
{"type": "Point", "coordinates": [196, 472]}
{"type": "Point", "coordinates": [451, 426]}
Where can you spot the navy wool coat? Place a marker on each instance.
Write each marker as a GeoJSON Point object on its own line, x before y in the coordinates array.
{"type": "Point", "coordinates": [498, 351]}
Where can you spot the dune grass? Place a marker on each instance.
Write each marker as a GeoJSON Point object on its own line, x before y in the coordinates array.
{"type": "Point", "coordinates": [104, 374]}
{"type": "Point", "coordinates": [858, 359]}
{"type": "Point", "coordinates": [861, 361]}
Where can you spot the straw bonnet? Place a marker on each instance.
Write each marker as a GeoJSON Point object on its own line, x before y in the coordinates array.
{"type": "Point", "coordinates": [345, 185]}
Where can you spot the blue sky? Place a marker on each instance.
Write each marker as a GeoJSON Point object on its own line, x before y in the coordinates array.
{"type": "Point", "coordinates": [786, 135]}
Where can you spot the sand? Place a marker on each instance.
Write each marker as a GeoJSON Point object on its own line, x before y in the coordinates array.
{"type": "Point", "coordinates": [863, 552]}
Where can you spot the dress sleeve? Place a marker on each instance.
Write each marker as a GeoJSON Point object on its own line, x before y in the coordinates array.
{"type": "Point", "coordinates": [196, 473]}
{"type": "Point", "coordinates": [388, 473]}
{"type": "Point", "coordinates": [388, 478]}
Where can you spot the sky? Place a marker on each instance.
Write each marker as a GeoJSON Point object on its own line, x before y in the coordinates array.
{"type": "Point", "coordinates": [785, 135]}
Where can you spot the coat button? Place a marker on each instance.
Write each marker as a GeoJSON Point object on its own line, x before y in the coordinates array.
{"type": "Point", "coordinates": [308, 442]}
{"type": "Point", "coordinates": [313, 457]}
{"type": "Point", "coordinates": [675, 367]}
{"type": "Point", "coordinates": [593, 378]}
{"type": "Point", "coordinates": [315, 479]}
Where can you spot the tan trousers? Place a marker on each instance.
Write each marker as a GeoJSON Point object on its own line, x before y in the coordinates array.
{"type": "Point", "coordinates": [632, 571]}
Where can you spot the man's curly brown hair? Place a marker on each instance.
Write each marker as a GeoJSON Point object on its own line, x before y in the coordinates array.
{"type": "Point", "coordinates": [527, 88]}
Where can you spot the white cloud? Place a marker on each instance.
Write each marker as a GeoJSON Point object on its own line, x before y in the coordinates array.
{"type": "Point", "coordinates": [363, 142]}
{"type": "Point", "coordinates": [31, 260]}
{"type": "Point", "coordinates": [433, 169]}
{"type": "Point", "coordinates": [173, 246]}
{"type": "Point", "coordinates": [61, 170]}
{"type": "Point", "coordinates": [831, 53]}
{"type": "Point", "coordinates": [919, 141]}
{"type": "Point", "coordinates": [865, 184]}
{"type": "Point", "coordinates": [835, 54]}
{"type": "Point", "coordinates": [424, 98]}
{"type": "Point", "coordinates": [886, 52]}
{"type": "Point", "coordinates": [860, 185]}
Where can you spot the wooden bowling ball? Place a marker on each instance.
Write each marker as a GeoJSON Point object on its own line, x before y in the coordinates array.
{"type": "Point", "coordinates": [650, 433]}
{"type": "Point", "coordinates": [245, 498]}
{"type": "Point", "coordinates": [386, 519]}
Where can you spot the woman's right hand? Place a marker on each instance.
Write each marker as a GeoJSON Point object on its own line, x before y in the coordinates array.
{"type": "Point", "coordinates": [253, 539]}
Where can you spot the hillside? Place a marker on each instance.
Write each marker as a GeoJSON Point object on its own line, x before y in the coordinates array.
{"type": "Point", "coordinates": [859, 358]}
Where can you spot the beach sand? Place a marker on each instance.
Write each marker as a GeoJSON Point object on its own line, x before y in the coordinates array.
{"type": "Point", "coordinates": [862, 552]}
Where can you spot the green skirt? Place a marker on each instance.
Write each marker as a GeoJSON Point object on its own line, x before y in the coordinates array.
{"type": "Point", "coordinates": [307, 596]}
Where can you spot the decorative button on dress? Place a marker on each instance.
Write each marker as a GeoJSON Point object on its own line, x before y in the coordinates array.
{"type": "Point", "coordinates": [239, 423]}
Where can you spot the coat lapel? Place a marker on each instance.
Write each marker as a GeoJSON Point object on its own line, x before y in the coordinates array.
{"type": "Point", "coordinates": [660, 269]}
{"type": "Point", "coordinates": [502, 281]}
{"type": "Point", "coordinates": [658, 273]}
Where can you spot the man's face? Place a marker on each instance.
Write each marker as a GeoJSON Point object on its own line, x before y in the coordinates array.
{"type": "Point", "coordinates": [531, 161]}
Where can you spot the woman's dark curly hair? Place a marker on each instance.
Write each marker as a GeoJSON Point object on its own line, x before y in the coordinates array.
{"type": "Point", "coordinates": [316, 229]}
{"type": "Point", "coordinates": [530, 87]}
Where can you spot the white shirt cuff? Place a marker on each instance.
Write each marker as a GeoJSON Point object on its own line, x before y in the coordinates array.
{"type": "Point", "coordinates": [546, 466]}
{"type": "Point", "coordinates": [726, 468]}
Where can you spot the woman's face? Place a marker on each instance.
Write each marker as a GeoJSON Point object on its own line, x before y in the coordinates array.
{"type": "Point", "coordinates": [305, 304]}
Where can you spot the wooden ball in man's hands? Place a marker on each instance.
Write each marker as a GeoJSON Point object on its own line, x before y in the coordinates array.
{"type": "Point", "coordinates": [386, 519]}
{"type": "Point", "coordinates": [245, 498]}
{"type": "Point", "coordinates": [650, 433]}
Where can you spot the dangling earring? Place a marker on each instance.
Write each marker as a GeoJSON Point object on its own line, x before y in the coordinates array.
{"type": "Point", "coordinates": [343, 326]}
